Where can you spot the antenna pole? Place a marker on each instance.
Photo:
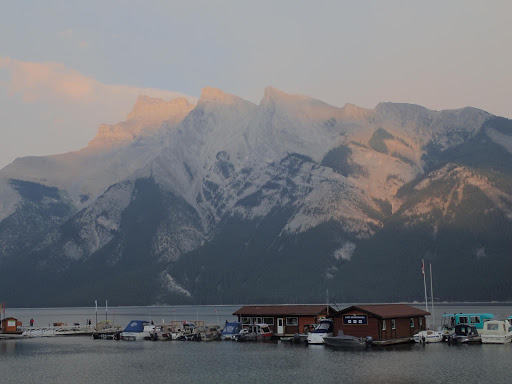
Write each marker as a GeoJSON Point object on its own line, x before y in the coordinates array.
{"type": "Point", "coordinates": [432, 293]}
{"type": "Point", "coordinates": [425, 285]}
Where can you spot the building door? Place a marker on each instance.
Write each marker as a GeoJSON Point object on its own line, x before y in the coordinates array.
{"type": "Point", "coordinates": [280, 326]}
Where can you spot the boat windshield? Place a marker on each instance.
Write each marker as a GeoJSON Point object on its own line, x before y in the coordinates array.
{"type": "Point", "coordinates": [265, 329]}
{"type": "Point", "coordinates": [323, 328]}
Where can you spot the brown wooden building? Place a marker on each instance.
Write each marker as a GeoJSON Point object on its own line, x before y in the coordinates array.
{"type": "Point", "coordinates": [10, 325]}
{"type": "Point", "coordinates": [283, 319]}
{"type": "Point", "coordinates": [385, 323]}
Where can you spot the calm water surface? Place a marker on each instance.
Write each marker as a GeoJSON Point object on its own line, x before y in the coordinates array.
{"type": "Point", "coordinates": [84, 360]}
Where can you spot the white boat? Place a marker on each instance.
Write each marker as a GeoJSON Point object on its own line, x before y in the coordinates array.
{"type": "Point", "coordinates": [325, 329]}
{"type": "Point", "coordinates": [496, 332]}
{"type": "Point", "coordinates": [428, 337]}
{"type": "Point", "coordinates": [138, 330]}
{"type": "Point", "coordinates": [255, 332]}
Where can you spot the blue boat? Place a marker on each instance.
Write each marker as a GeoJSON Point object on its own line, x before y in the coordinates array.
{"type": "Point", "coordinates": [137, 330]}
{"type": "Point", "coordinates": [231, 331]}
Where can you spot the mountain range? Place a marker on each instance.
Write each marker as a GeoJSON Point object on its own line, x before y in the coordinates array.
{"type": "Point", "coordinates": [225, 201]}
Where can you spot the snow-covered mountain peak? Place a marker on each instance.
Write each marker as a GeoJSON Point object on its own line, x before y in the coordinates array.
{"type": "Point", "coordinates": [146, 117]}
{"type": "Point", "coordinates": [152, 108]}
{"type": "Point", "coordinates": [214, 95]}
{"type": "Point", "coordinates": [273, 95]}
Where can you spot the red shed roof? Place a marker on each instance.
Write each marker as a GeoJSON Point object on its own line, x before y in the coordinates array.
{"type": "Point", "coordinates": [387, 311]}
{"type": "Point", "coordinates": [283, 310]}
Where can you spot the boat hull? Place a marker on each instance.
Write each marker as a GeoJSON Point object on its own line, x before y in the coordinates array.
{"type": "Point", "coordinates": [317, 338]}
{"type": "Point", "coordinates": [488, 339]}
{"type": "Point", "coordinates": [428, 337]}
{"type": "Point", "coordinates": [345, 341]}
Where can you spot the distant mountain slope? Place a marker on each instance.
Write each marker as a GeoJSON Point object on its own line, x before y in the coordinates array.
{"type": "Point", "coordinates": [228, 201]}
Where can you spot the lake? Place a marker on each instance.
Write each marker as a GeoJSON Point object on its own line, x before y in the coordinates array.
{"type": "Point", "coordinates": [84, 360]}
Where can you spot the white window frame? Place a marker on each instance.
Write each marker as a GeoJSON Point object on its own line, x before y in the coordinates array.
{"type": "Point", "coordinates": [412, 322]}
{"type": "Point", "coordinates": [271, 322]}
{"type": "Point", "coordinates": [245, 320]}
{"type": "Point", "coordinates": [257, 320]}
{"type": "Point", "coordinates": [291, 323]}
{"type": "Point", "coordinates": [393, 324]}
{"type": "Point", "coordinates": [383, 325]}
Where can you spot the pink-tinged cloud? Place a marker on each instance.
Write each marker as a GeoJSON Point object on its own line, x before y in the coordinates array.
{"type": "Point", "coordinates": [58, 108]}
{"type": "Point", "coordinates": [37, 81]}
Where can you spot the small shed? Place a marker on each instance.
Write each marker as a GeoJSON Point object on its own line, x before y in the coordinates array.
{"type": "Point", "coordinates": [385, 323]}
{"type": "Point", "coordinates": [284, 320]}
{"type": "Point", "coordinates": [10, 325]}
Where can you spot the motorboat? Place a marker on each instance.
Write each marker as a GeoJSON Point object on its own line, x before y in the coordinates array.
{"type": "Point", "coordinates": [450, 320]}
{"type": "Point", "coordinates": [325, 329]}
{"type": "Point", "coordinates": [208, 333]}
{"type": "Point", "coordinates": [138, 330]}
{"type": "Point", "coordinates": [255, 332]}
{"type": "Point", "coordinates": [343, 340]}
{"type": "Point", "coordinates": [465, 333]}
{"type": "Point", "coordinates": [496, 332]}
{"type": "Point", "coordinates": [428, 336]}
{"type": "Point", "coordinates": [231, 330]}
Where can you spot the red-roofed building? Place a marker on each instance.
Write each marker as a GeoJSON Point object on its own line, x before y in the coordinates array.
{"type": "Point", "coordinates": [385, 323]}
{"type": "Point", "coordinates": [284, 320]}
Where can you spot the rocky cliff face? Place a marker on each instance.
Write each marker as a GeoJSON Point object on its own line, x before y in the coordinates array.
{"type": "Point", "coordinates": [229, 201]}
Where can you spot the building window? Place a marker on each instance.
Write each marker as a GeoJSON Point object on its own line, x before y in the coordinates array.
{"type": "Point", "coordinates": [393, 324]}
{"type": "Point", "coordinates": [268, 320]}
{"type": "Point", "coordinates": [383, 325]}
{"type": "Point", "coordinates": [421, 322]}
{"type": "Point", "coordinates": [246, 320]}
{"type": "Point", "coordinates": [292, 321]}
{"type": "Point", "coordinates": [412, 322]}
{"type": "Point", "coordinates": [257, 320]}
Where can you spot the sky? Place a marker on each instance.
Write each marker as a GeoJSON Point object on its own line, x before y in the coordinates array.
{"type": "Point", "coordinates": [68, 66]}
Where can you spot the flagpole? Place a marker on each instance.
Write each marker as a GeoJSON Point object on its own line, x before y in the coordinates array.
{"type": "Point", "coordinates": [425, 285]}
{"type": "Point", "coordinates": [432, 293]}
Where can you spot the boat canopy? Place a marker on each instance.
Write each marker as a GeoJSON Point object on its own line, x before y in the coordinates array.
{"type": "Point", "coordinates": [232, 328]}
{"type": "Point", "coordinates": [136, 326]}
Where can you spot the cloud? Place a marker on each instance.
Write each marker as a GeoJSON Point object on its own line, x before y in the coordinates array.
{"type": "Point", "coordinates": [41, 81]}
{"type": "Point", "coordinates": [48, 108]}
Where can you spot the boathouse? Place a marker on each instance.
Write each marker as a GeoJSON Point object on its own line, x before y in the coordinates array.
{"type": "Point", "coordinates": [385, 323]}
{"type": "Point", "coordinates": [283, 320]}
{"type": "Point", "coordinates": [10, 325]}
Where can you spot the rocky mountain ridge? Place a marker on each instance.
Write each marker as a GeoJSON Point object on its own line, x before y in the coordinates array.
{"type": "Point", "coordinates": [195, 201]}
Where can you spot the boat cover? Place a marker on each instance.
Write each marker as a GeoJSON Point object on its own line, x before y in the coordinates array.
{"type": "Point", "coordinates": [136, 326]}
{"type": "Point", "coordinates": [232, 328]}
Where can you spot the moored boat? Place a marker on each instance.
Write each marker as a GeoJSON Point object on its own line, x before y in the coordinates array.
{"type": "Point", "coordinates": [343, 340]}
{"type": "Point", "coordinates": [428, 336]}
{"type": "Point", "coordinates": [450, 320]}
{"type": "Point", "coordinates": [325, 329]}
{"type": "Point", "coordinates": [255, 332]}
{"type": "Point", "coordinates": [137, 330]}
{"type": "Point", "coordinates": [496, 332]}
{"type": "Point", "coordinates": [465, 333]}
{"type": "Point", "coordinates": [231, 330]}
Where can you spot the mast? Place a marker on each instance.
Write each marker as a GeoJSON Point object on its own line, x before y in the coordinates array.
{"type": "Point", "coordinates": [432, 294]}
{"type": "Point", "coordinates": [425, 285]}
